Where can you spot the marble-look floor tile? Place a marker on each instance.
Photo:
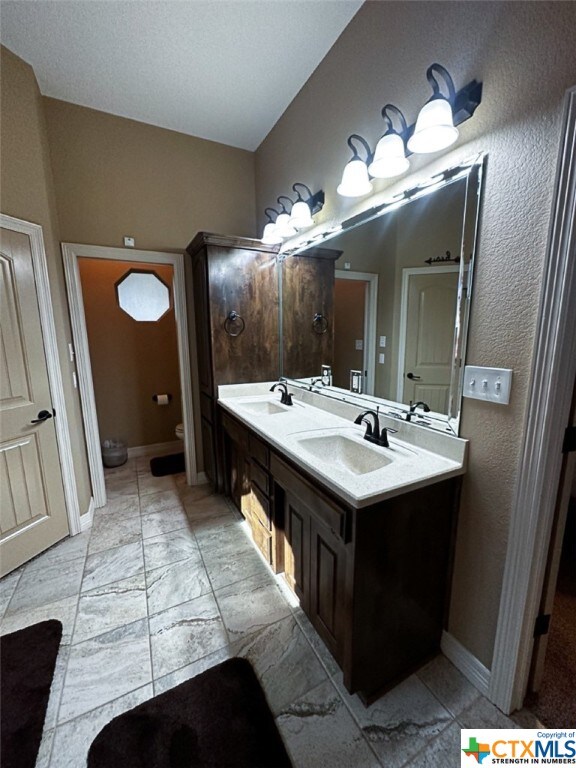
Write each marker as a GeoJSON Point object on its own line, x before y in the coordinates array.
{"type": "Point", "coordinates": [104, 668]}
{"type": "Point", "coordinates": [169, 548]}
{"type": "Point", "coordinates": [113, 565]}
{"type": "Point", "coordinates": [123, 506]}
{"type": "Point", "coordinates": [448, 685]}
{"type": "Point", "coordinates": [183, 674]}
{"type": "Point", "coordinates": [63, 610]}
{"type": "Point", "coordinates": [114, 531]}
{"type": "Point", "coordinates": [250, 605]}
{"type": "Point", "coordinates": [51, 719]}
{"type": "Point", "coordinates": [156, 502]}
{"type": "Point", "coordinates": [319, 732]}
{"type": "Point", "coordinates": [207, 507]}
{"type": "Point", "coordinates": [284, 662]}
{"type": "Point", "coordinates": [70, 548]}
{"type": "Point", "coordinates": [8, 585]}
{"type": "Point", "coordinates": [195, 492]}
{"type": "Point", "coordinates": [400, 723]}
{"type": "Point", "coordinates": [116, 489]}
{"type": "Point", "coordinates": [230, 540]}
{"type": "Point", "coordinates": [176, 583]}
{"type": "Point", "coordinates": [39, 586]}
{"type": "Point", "coordinates": [483, 714]}
{"type": "Point", "coordinates": [110, 606]}
{"type": "Point", "coordinates": [72, 739]}
{"type": "Point", "coordinates": [225, 569]}
{"type": "Point", "coordinates": [163, 521]}
{"type": "Point", "coordinates": [148, 484]}
{"type": "Point", "coordinates": [326, 659]}
{"type": "Point", "coordinates": [125, 471]}
{"type": "Point", "coordinates": [45, 749]}
{"type": "Point", "coordinates": [185, 633]}
{"type": "Point", "coordinates": [443, 751]}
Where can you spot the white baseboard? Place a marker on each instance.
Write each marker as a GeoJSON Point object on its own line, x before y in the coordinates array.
{"type": "Point", "coordinates": [175, 446]}
{"type": "Point", "coordinates": [87, 518]}
{"type": "Point", "coordinates": [472, 669]}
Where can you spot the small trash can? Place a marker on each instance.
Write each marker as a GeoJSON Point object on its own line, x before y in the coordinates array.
{"type": "Point", "coordinates": [114, 453]}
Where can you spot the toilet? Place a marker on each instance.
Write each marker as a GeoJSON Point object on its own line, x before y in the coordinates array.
{"type": "Point", "coordinates": [180, 431]}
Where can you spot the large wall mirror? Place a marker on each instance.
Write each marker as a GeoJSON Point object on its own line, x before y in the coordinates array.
{"type": "Point", "coordinates": [395, 305]}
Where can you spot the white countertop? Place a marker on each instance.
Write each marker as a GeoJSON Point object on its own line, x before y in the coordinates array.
{"type": "Point", "coordinates": [319, 435]}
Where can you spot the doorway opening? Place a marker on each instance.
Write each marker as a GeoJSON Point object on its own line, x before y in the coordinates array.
{"type": "Point", "coordinates": [87, 259]}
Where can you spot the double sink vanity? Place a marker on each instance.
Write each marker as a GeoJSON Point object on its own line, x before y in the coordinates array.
{"type": "Point", "coordinates": [362, 533]}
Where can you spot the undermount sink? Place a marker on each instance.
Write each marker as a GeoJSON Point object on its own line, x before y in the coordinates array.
{"type": "Point", "coordinates": [350, 454]}
{"type": "Point", "coordinates": [262, 407]}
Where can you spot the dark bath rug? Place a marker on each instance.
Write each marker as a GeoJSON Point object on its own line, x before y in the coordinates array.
{"type": "Point", "coordinates": [27, 661]}
{"type": "Point", "coordinates": [172, 464]}
{"type": "Point", "coordinates": [219, 719]}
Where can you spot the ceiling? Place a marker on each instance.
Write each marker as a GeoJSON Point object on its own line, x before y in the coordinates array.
{"type": "Point", "coordinates": [223, 70]}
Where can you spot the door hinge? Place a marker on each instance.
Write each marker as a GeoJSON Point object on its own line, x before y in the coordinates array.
{"type": "Point", "coordinates": [542, 625]}
{"type": "Point", "coordinates": [569, 444]}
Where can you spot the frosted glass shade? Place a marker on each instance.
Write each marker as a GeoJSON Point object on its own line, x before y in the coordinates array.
{"type": "Point", "coordinates": [300, 216]}
{"type": "Point", "coordinates": [283, 226]}
{"type": "Point", "coordinates": [434, 128]}
{"type": "Point", "coordinates": [270, 236]}
{"type": "Point", "coordinates": [389, 157]}
{"type": "Point", "coordinates": [355, 181]}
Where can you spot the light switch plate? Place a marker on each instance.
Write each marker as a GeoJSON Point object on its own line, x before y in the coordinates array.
{"type": "Point", "coordinates": [382, 341]}
{"type": "Point", "coordinates": [490, 384]}
{"type": "Point", "coordinates": [381, 358]}
{"type": "Point", "coordinates": [359, 344]}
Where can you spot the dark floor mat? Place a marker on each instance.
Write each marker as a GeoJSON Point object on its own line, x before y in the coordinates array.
{"type": "Point", "coordinates": [168, 465]}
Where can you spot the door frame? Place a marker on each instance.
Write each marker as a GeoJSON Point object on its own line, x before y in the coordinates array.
{"type": "Point", "coordinates": [71, 252]}
{"type": "Point", "coordinates": [49, 337]}
{"type": "Point", "coordinates": [548, 409]}
{"type": "Point", "coordinates": [407, 273]}
{"type": "Point", "coordinates": [370, 320]}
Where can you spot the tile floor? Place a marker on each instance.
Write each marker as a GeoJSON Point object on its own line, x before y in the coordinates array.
{"type": "Point", "coordinates": [167, 584]}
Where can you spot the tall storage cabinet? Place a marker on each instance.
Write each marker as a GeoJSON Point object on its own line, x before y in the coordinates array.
{"type": "Point", "coordinates": [236, 315]}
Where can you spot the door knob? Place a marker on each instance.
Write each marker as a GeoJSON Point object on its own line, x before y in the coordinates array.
{"type": "Point", "coordinates": [412, 377]}
{"type": "Point", "coordinates": [42, 416]}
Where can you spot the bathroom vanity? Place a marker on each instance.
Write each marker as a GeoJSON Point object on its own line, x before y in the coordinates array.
{"type": "Point", "coordinates": [363, 534]}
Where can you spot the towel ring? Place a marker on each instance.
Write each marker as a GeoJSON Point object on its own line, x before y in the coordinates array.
{"type": "Point", "coordinates": [319, 323]}
{"type": "Point", "coordinates": [234, 324]}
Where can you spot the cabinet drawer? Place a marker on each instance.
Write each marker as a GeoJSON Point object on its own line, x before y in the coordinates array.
{"type": "Point", "coordinates": [321, 506]}
{"type": "Point", "coordinates": [260, 508]}
{"type": "Point", "coordinates": [260, 478]}
{"type": "Point", "coordinates": [235, 431]}
{"type": "Point", "coordinates": [262, 538]}
{"type": "Point", "coordinates": [259, 451]}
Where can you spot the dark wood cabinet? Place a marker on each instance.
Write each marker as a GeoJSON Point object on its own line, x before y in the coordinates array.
{"type": "Point", "coordinates": [374, 581]}
{"type": "Point", "coordinates": [235, 284]}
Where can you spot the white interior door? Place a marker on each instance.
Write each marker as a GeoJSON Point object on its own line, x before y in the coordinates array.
{"type": "Point", "coordinates": [429, 309]}
{"type": "Point", "coordinates": [33, 513]}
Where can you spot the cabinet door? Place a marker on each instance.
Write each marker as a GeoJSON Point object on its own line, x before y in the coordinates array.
{"type": "Point", "coordinates": [297, 548]}
{"type": "Point", "coordinates": [208, 449]}
{"type": "Point", "coordinates": [327, 584]}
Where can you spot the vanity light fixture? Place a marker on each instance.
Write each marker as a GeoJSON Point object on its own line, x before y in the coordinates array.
{"type": "Point", "coordinates": [270, 236]}
{"type": "Point", "coordinates": [435, 128]}
{"type": "Point", "coordinates": [390, 154]}
{"type": "Point", "coordinates": [304, 209]}
{"type": "Point", "coordinates": [355, 181]}
{"type": "Point", "coordinates": [284, 227]}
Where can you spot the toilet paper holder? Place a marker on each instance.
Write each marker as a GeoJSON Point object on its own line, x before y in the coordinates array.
{"type": "Point", "coordinates": [155, 397]}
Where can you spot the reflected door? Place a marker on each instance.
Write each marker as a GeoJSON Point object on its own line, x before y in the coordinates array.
{"type": "Point", "coordinates": [428, 312]}
{"type": "Point", "coordinates": [32, 507]}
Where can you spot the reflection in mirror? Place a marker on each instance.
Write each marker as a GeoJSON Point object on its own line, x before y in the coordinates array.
{"type": "Point", "coordinates": [394, 288]}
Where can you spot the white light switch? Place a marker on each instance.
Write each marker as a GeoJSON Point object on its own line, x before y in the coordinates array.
{"type": "Point", "coordinates": [359, 344]}
{"type": "Point", "coordinates": [490, 384]}
{"type": "Point", "coordinates": [382, 341]}
{"type": "Point", "coordinates": [381, 358]}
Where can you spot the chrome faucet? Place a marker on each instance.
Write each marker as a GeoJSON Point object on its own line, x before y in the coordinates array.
{"type": "Point", "coordinates": [286, 397]}
{"type": "Point", "coordinates": [373, 432]}
{"type": "Point", "coordinates": [413, 406]}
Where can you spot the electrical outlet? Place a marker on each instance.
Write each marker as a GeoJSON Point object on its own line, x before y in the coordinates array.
{"type": "Point", "coordinates": [381, 358]}
{"type": "Point", "coordinates": [490, 384]}
{"type": "Point", "coordinates": [358, 345]}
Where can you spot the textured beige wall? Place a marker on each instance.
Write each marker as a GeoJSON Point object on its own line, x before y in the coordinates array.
{"type": "Point", "coordinates": [116, 177]}
{"type": "Point", "coordinates": [131, 360]}
{"type": "Point", "coordinates": [27, 192]}
{"type": "Point", "coordinates": [524, 54]}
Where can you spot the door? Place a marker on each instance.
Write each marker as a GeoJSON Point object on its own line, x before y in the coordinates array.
{"type": "Point", "coordinates": [327, 584]}
{"type": "Point", "coordinates": [429, 310]}
{"type": "Point", "coordinates": [349, 325]}
{"type": "Point", "coordinates": [33, 513]}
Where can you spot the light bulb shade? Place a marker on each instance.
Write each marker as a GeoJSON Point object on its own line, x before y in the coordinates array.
{"type": "Point", "coordinates": [270, 236]}
{"type": "Point", "coordinates": [389, 157]}
{"type": "Point", "coordinates": [300, 216]}
{"type": "Point", "coordinates": [355, 181]}
{"type": "Point", "coordinates": [283, 226]}
{"type": "Point", "coordinates": [434, 128]}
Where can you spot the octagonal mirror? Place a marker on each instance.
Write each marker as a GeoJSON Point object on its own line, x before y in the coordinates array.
{"type": "Point", "coordinates": [143, 295]}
